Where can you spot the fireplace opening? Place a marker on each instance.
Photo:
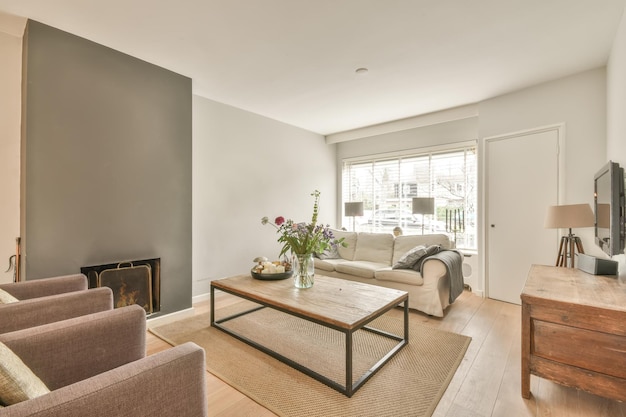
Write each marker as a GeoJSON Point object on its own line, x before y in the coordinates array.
{"type": "Point", "coordinates": [132, 282]}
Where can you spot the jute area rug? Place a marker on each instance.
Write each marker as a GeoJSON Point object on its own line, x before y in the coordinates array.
{"type": "Point", "coordinates": [411, 384]}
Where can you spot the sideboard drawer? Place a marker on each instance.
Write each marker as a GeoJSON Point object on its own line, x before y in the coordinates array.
{"type": "Point", "coordinates": [587, 349]}
{"type": "Point", "coordinates": [589, 318]}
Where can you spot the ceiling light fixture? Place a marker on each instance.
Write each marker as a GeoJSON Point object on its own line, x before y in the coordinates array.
{"type": "Point", "coordinates": [361, 70]}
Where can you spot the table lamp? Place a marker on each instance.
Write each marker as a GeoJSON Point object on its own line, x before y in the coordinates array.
{"type": "Point", "coordinates": [568, 217]}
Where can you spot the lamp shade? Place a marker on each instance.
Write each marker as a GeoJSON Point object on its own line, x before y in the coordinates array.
{"type": "Point", "coordinates": [569, 216]}
{"type": "Point", "coordinates": [354, 208]}
{"type": "Point", "coordinates": [423, 205]}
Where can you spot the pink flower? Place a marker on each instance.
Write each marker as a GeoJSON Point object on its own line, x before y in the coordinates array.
{"type": "Point", "coordinates": [279, 220]}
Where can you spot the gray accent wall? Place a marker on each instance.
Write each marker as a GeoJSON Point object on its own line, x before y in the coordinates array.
{"type": "Point", "coordinates": [106, 175]}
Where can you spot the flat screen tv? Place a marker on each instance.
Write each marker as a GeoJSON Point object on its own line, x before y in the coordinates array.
{"type": "Point", "coordinates": [609, 208]}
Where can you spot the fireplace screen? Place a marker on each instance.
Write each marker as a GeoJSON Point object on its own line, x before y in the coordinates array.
{"type": "Point", "coordinates": [132, 282]}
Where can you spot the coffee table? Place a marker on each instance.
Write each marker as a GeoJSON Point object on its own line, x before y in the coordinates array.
{"type": "Point", "coordinates": [345, 306]}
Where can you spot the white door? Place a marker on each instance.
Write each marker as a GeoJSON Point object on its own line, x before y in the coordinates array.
{"type": "Point", "coordinates": [522, 181]}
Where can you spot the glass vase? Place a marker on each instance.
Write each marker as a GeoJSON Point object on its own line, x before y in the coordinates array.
{"type": "Point", "coordinates": [303, 270]}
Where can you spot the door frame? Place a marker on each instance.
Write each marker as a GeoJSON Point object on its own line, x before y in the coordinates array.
{"type": "Point", "coordinates": [560, 131]}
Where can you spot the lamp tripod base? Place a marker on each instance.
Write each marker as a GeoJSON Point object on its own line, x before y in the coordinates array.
{"type": "Point", "coordinates": [567, 250]}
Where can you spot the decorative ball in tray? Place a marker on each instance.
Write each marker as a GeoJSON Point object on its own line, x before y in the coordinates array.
{"type": "Point", "coordinates": [271, 271]}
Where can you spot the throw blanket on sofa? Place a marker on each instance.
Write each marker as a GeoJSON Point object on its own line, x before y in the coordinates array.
{"type": "Point", "coordinates": [453, 261]}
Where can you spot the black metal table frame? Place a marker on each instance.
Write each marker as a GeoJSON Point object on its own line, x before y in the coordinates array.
{"type": "Point", "coordinates": [349, 388]}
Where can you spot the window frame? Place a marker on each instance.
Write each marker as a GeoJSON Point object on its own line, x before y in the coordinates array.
{"type": "Point", "coordinates": [469, 237]}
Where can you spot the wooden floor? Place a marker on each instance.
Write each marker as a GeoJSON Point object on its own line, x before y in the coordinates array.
{"type": "Point", "coordinates": [487, 383]}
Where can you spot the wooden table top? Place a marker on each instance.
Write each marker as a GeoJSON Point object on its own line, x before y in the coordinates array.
{"type": "Point", "coordinates": [341, 303]}
{"type": "Point", "coordinates": [572, 285]}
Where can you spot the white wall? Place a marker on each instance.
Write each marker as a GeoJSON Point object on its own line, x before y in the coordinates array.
{"type": "Point", "coordinates": [578, 101]}
{"type": "Point", "coordinates": [616, 109]}
{"type": "Point", "coordinates": [420, 137]}
{"type": "Point", "coordinates": [11, 31]}
{"type": "Point", "coordinates": [246, 166]}
{"type": "Point", "coordinates": [616, 98]}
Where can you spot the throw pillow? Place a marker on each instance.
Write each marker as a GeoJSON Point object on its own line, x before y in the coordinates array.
{"type": "Point", "coordinates": [6, 298]}
{"type": "Point", "coordinates": [331, 252]}
{"type": "Point", "coordinates": [408, 259]}
{"type": "Point", "coordinates": [17, 382]}
{"type": "Point", "coordinates": [431, 250]}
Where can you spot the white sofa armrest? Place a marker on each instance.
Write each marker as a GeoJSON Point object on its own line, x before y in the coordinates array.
{"type": "Point", "coordinates": [432, 271]}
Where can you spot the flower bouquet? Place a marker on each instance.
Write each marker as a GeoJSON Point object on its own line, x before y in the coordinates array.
{"type": "Point", "coordinates": [302, 240]}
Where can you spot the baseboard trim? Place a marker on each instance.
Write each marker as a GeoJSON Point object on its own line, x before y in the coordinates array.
{"type": "Point", "coordinates": [201, 297]}
{"type": "Point", "coordinates": [177, 315]}
{"type": "Point", "coordinates": [170, 318]}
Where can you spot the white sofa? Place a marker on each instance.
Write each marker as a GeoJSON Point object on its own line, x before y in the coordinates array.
{"type": "Point", "coordinates": [369, 258]}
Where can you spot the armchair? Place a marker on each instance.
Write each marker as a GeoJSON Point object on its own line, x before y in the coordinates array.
{"type": "Point", "coordinates": [95, 365]}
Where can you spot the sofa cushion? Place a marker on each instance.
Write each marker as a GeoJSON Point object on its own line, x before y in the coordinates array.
{"type": "Point", "coordinates": [410, 258]}
{"type": "Point", "coordinates": [350, 239]}
{"type": "Point", "coordinates": [362, 269]}
{"type": "Point", "coordinates": [404, 276]}
{"type": "Point", "coordinates": [17, 382]}
{"type": "Point", "coordinates": [402, 244]}
{"type": "Point", "coordinates": [374, 247]}
{"type": "Point", "coordinates": [6, 298]}
{"type": "Point", "coordinates": [327, 264]}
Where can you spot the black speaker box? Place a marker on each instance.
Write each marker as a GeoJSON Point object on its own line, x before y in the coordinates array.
{"type": "Point", "coordinates": [596, 266]}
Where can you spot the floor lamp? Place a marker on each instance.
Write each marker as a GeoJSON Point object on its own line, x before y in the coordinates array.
{"type": "Point", "coordinates": [353, 209]}
{"type": "Point", "coordinates": [568, 217]}
{"type": "Point", "coordinates": [423, 206]}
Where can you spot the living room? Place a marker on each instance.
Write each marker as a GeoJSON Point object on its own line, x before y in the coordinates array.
{"type": "Point", "coordinates": [234, 166]}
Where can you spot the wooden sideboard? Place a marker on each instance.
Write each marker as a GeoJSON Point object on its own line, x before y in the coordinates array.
{"type": "Point", "coordinates": [574, 330]}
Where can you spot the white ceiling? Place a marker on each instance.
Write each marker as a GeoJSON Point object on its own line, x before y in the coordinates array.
{"type": "Point", "coordinates": [295, 60]}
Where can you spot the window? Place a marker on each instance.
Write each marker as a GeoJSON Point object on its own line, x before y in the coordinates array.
{"type": "Point", "coordinates": [386, 184]}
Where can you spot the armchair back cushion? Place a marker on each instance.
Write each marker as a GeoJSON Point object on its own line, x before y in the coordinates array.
{"type": "Point", "coordinates": [35, 288]}
{"type": "Point", "coordinates": [44, 310]}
